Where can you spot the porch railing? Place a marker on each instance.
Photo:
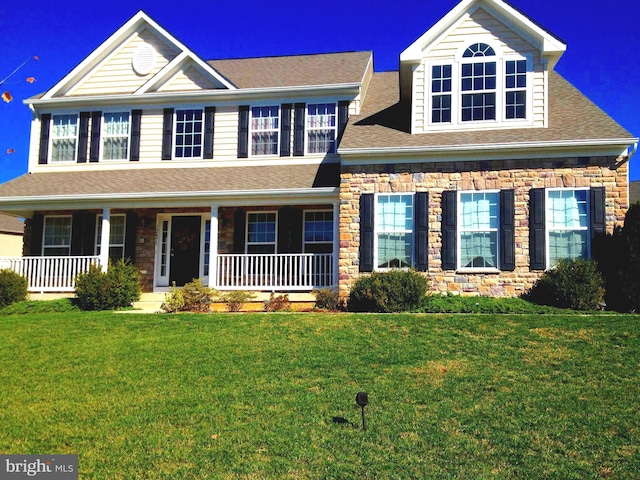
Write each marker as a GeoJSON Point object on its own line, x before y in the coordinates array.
{"type": "Point", "coordinates": [287, 271]}
{"type": "Point", "coordinates": [50, 274]}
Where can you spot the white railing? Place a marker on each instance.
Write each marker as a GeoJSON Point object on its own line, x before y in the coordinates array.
{"type": "Point", "coordinates": [49, 274]}
{"type": "Point", "coordinates": [286, 271]}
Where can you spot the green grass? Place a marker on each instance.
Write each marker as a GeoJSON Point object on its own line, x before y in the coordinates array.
{"type": "Point", "coordinates": [254, 395]}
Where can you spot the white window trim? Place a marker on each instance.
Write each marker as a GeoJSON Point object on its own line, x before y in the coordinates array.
{"type": "Point", "coordinates": [52, 138]}
{"type": "Point", "coordinates": [246, 230]}
{"type": "Point", "coordinates": [98, 237]}
{"type": "Point", "coordinates": [377, 231]}
{"type": "Point", "coordinates": [308, 129]}
{"type": "Point", "coordinates": [547, 222]}
{"type": "Point", "coordinates": [104, 136]}
{"type": "Point", "coordinates": [44, 231]}
{"type": "Point", "coordinates": [252, 131]}
{"type": "Point", "coordinates": [459, 232]}
{"type": "Point", "coordinates": [304, 242]}
{"type": "Point", "coordinates": [175, 134]}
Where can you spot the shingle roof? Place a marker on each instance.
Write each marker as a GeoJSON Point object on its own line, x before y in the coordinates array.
{"type": "Point", "coordinates": [294, 71]}
{"type": "Point", "coordinates": [10, 224]}
{"type": "Point", "coordinates": [384, 123]}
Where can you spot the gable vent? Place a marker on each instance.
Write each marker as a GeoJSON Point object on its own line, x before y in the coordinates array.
{"type": "Point", "coordinates": [144, 59]}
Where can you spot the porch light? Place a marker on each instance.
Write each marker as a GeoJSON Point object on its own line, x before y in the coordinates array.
{"type": "Point", "coordinates": [362, 399]}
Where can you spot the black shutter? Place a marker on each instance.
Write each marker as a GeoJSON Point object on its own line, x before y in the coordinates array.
{"type": "Point", "coordinates": [209, 121]}
{"type": "Point", "coordinates": [298, 129]}
{"type": "Point", "coordinates": [285, 130]}
{"type": "Point", "coordinates": [239, 219]}
{"type": "Point", "coordinates": [45, 125]}
{"type": "Point", "coordinates": [167, 134]}
{"type": "Point", "coordinates": [83, 135]}
{"type": "Point", "coordinates": [449, 230]}
{"type": "Point", "coordinates": [131, 224]}
{"type": "Point", "coordinates": [136, 122]}
{"type": "Point", "coordinates": [537, 246]}
{"type": "Point", "coordinates": [37, 224]}
{"type": "Point", "coordinates": [243, 131]}
{"type": "Point", "coordinates": [367, 224]}
{"type": "Point", "coordinates": [89, 234]}
{"type": "Point", "coordinates": [289, 230]}
{"type": "Point", "coordinates": [343, 117]}
{"type": "Point", "coordinates": [598, 211]}
{"type": "Point", "coordinates": [421, 225]}
{"type": "Point", "coordinates": [507, 231]}
{"type": "Point", "coordinates": [77, 233]}
{"type": "Point", "coordinates": [94, 152]}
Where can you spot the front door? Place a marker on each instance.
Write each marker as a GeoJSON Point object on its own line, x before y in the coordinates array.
{"type": "Point", "coordinates": [184, 264]}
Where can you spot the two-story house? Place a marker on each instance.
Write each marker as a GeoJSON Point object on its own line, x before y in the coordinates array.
{"type": "Point", "coordinates": [475, 163]}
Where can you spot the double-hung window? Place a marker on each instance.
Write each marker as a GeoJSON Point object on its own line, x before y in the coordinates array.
{"type": "Point", "coordinates": [567, 217]}
{"type": "Point", "coordinates": [441, 94]}
{"type": "Point", "coordinates": [318, 231]}
{"type": "Point", "coordinates": [115, 136]}
{"type": "Point", "coordinates": [188, 133]}
{"type": "Point", "coordinates": [117, 229]}
{"type": "Point", "coordinates": [478, 83]}
{"type": "Point", "coordinates": [264, 130]}
{"type": "Point", "coordinates": [322, 128]}
{"type": "Point", "coordinates": [394, 230]}
{"type": "Point", "coordinates": [479, 221]}
{"type": "Point", "coordinates": [56, 236]}
{"type": "Point", "coordinates": [261, 232]}
{"type": "Point", "coordinates": [515, 89]}
{"type": "Point", "coordinates": [64, 138]}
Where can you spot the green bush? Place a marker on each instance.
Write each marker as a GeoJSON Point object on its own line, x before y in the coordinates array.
{"type": "Point", "coordinates": [13, 288]}
{"type": "Point", "coordinates": [280, 303]}
{"type": "Point", "coordinates": [119, 287]}
{"type": "Point", "coordinates": [392, 291]}
{"type": "Point", "coordinates": [235, 300]}
{"type": "Point", "coordinates": [328, 299]}
{"type": "Point", "coordinates": [575, 284]}
{"type": "Point", "coordinates": [30, 307]}
{"type": "Point", "coordinates": [193, 297]}
{"type": "Point", "coordinates": [630, 270]}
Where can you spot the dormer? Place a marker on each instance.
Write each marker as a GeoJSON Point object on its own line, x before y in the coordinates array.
{"type": "Point", "coordinates": [483, 66]}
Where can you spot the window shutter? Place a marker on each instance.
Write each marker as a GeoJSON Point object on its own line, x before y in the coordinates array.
{"type": "Point", "coordinates": [209, 121]}
{"type": "Point", "coordinates": [537, 246]}
{"type": "Point", "coordinates": [598, 211]}
{"type": "Point", "coordinates": [83, 135]}
{"type": "Point", "coordinates": [239, 219]}
{"type": "Point", "coordinates": [243, 131]}
{"type": "Point", "coordinates": [77, 233]}
{"type": "Point", "coordinates": [298, 129]}
{"type": "Point", "coordinates": [131, 224]}
{"type": "Point", "coordinates": [89, 234]}
{"type": "Point", "coordinates": [421, 226]}
{"type": "Point", "coordinates": [343, 117]}
{"type": "Point", "coordinates": [37, 224]}
{"type": "Point", "coordinates": [285, 130]}
{"type": "Point", "coordinates": [448, 253]}
{"type": "Point", "coordinates": [45, 125]}
{"type": "Point", "coordinates": [289, 230]}
{"type": "Point", "coordinates": [134, 148]}
{"type": "Point", "coordinates": [507, 240]}
{"type": "Point", "coordinates": [167, 134]}
{"type": "Point", "coordinates": [367, 224]}
{"type": "Point", "coordinates": [94, 152]}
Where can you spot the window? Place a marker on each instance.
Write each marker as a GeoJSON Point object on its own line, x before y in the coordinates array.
{"type": "Point", "coordinates": [567, 216]}
{"type": "Point", "coordinates": [115, 136]}
{"type": "Point", "coordinates": [516, 89]}
{"type": "Point", "coordinates": [261, 232]}
{"type": "Point", "coordinates": [116, 236]}
{"type": "Point", "coordinates": [56, 236]}
{"type": "Point", "coordinates": [479, 221]}
{"type": "Point", "coordinates": [188, 141]}
{"type": "Point", "coordinates": [478, 84]}
{"type": "Point", "coordinates": [264, 130]}
{"type": "Point", "coordinates": [64, 138]}
{"type": "Point", "coordinates": [321, 128]}
{"type": "Point", "coordinates": [207, 247]}
{"type": "Point", "coordinates": [394, 230]}
{"type": "Point", "coordinates": [318, 231]}
{"type": "Point", "coordinates": [441, 93]}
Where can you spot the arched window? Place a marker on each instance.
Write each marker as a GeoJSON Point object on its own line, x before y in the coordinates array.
{"type": "Point", "coordinates": [478, 84]}
{"type": "Point", "coordinates": [478, 50]}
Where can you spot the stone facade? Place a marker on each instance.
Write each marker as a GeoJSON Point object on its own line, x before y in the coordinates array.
{"type": "Point", "coordinates": [436, 177]}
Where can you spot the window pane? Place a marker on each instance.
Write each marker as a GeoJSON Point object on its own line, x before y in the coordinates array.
{"type": "Point", "coordinates": [264, 130]}
{"type": "Point", "coordinates": [568, 209]}
{"type": "Point", "coordinates": [261, 228]}
{"type": "Point", "coordinates": [64, 133]}
{"type": "Point", "coordinates": [568, 245]}
{"type": "Point", "coordinates": [394, 227]}
{"type": "Point", "coordinates": [57, 236]}
{"type": "Point", "coordinates": [188, 138]}
{"type": "Point", "coordinates": [394, 212]}
{"type": "Point", "coordinates": [394, 250]}
{"type": "Point", "coordinates": [479, 249]}
{"type": "Point", "coordinates": [321, 127]}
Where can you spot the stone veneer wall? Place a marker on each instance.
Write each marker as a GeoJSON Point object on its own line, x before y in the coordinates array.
{"type": "Point", "coordinates": [521, 175]}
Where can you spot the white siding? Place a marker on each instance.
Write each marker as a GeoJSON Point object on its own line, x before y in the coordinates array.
{"type": "Point", "coordinates": [225, 134]}
{"type": "Point", "coordinates": [151, 135]}
{"type": "Point", "coordinates": [419, 87]}
{"type": "Point", "coordinates": [189, 80]}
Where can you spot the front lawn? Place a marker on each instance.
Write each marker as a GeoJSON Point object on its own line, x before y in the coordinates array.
{"type": "Point", "coordinates": [255, 395]}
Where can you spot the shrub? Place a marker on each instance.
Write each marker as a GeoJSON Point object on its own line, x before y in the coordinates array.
{"type": "Point", "coordinates": [280, 303]}
{"type": "Point", "coordinates": [575, 284]}
{"type": "Point", "coordinates": [193, 297]}
{"type": "Point", "coordinates": [30, 307]}
{"type": "Point", "coordinates": [13, 288]}
{"type": "Point", "coordinates": [119, 287]}
{"type": "Point", "coordinates": [630, 270]}
{"type": "Point", "coordinates": [392, 291]}
{"type": "Point", "coordinates": [328, 299]}
{"type": "Point", "coordinates": [235, 300]}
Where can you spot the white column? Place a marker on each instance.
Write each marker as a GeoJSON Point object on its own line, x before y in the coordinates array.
{"type": "Point", "coordinates": [213, 248]}
{"type": "Point", "coordinates": [104, 239]}
{"type": "Point", "coordinates": [336, 244]}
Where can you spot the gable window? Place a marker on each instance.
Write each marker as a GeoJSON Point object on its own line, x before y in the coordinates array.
{"type": "Point", "coordinates": [441, 93]}
{"type": "Point", "coordinates": [516, 89]}
{"type": "Point", "coordinates": [567, 214]}
{"type": "Point", "coordinates": [115, 136]}
{"type": "Point", "coordinates": [394, 230]}
{"type": "Point", "coordinates": [261, 232]}
{"type": "Point", "coordinates": [321, 128]}
{"type": "Point", "coordinates": [478, 84]}
{"type": "Point", "coordinates": [117, 237]}
{"type": "Point", "coordinates": [188, 134]}
{"type": "Point", "coordinates": [264, 130]}
{"type": "Point", "coordinates": [64, 138]}
{"type": "Point", "coordinates": [318, 231]}
{"type": "Point", "coordinates": [478, 220]}
{"type": "Point", "coordinates": [56, 237]}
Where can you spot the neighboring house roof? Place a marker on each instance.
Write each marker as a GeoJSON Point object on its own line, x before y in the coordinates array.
{"type": "Point", "coordinates": [11, 225]}
{"type": "Point", "coordinates": [384, 123]}
{"type": "Point", "coordinates": [634, 192]}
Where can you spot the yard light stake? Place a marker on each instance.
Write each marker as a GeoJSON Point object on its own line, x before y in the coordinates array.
{"type": "Point", "coordinates": [362, 399]}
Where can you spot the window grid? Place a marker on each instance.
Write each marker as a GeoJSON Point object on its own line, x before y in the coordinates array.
{"type": "Point", "coordinates": [321, 128]}
{"type": "Point", "coordinates": [567, 224]}
{"type": "Point", "coordinates": [207, 246]}
{"type": "Point", "coordinates": [64, 138]}
{"type": "Point", "coordinates": [164, 248]}
{"type": "Point", "coordinates": [479, 78]}
{"type": "Point", "coordinates": [441, 93]}
{"type": "Point", "coordinates": [115, 137]}
{"type": "Point", "coordinates": [318, 231]}
{"type": "Point", "coordinates": [56, 235]}
{"type": "Point", "coordinates": [261, 232]}
{"type": "Point", "coordinates": [188, 134]}
{"type": "Point", "coordinates": [479, 222]}
{"type": "Point", "coordinates": [265, 130]}
{"type": "Point", "coordinates": [116, 236]}
{"type": "Point", "coordinates": [394, 230]}
{"type": "Point", "coordinates": [515, 89]}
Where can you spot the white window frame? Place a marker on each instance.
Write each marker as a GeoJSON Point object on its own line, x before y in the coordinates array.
{"type": "Point", "coordinates": [253, 130]}
{"type": "Point", "coordinates": [309, 128]}
{"type": "Point", "coordinates": [380, 231]}
{"type": "Point", "coordinates": [53, 137]}
{"type": "Point", "coordinates": [105, 136]}
{"type": "Point", "coordinates": [460, 230]}
{"type": "Point", "coordinates": [44, 236]}
{"type": "Point", "coordinates": [192, 145]}
{"type": "Point", "coordinates": [97, 246]}
{"type": "Point", "coordinates": [275, 241]}
{"type": "Point", "coordinates": [548, 220]}
{"type": "Point", "coordinates": [304, 230]}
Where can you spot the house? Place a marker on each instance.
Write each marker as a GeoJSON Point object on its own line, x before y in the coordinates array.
{"type": "Point", "coordinates": [11, 229]}
{"type": "Point", "coordinates": [475, 163]}
{"type": "Point", "coordinates": [634, 191]}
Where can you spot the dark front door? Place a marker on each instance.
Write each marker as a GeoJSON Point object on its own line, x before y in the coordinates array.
{"type": "Point", "coordinates": [185, 250]}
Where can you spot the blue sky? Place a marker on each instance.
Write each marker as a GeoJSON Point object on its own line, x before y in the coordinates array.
{"type": "Point", "coordinates": [601, 57]}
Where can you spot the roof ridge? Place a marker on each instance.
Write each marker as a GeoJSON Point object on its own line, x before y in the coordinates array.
{"type": "Point", "coordinates": [291, 55]}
